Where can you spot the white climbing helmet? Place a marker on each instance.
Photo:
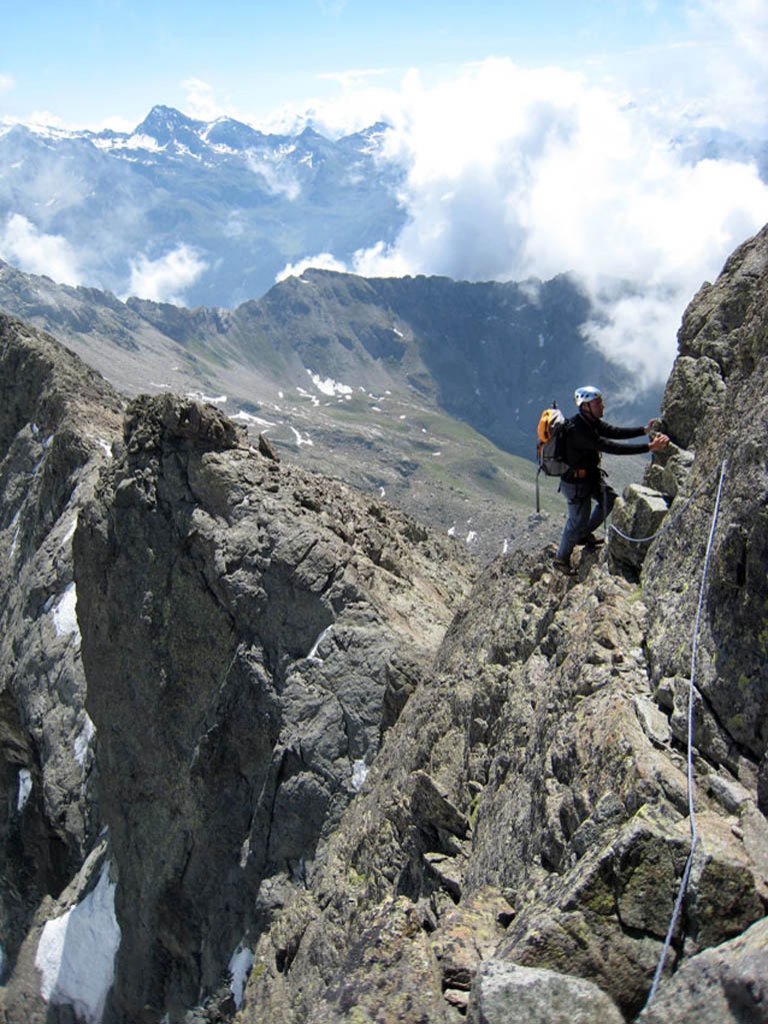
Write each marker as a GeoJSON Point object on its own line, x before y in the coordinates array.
{"type": "Point", "coordinates": [586, 394]}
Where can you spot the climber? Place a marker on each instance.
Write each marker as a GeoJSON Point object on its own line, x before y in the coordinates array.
{"type": "Point", "coordinates": [586, 436]}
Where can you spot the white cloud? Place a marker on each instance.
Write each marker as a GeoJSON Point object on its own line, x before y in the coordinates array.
{"type": "Point", "coordinates": [277, 176]}
{"type": "Point", "coordinates": [166, 278]}
{"type": "Point", "coordinates": [356, 106]}
{"type": "Point", "coordinates": [323, 261]}
{"type": "Point", "coordinates": [34, 252]}
{"type": "Point", "coordinates": [513, 172]}
{"type": "Point", "coordinates": [200, 101]}
{"type": "Point", "coordinates": [7, 83]}
{"type": "Point", "coordinates": [115, 123]}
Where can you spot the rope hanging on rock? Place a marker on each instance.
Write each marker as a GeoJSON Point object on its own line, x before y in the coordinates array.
{"type": "Point", "coordinates": [667, 522]}
{"type": "Point", "coordinates": [691, 808]}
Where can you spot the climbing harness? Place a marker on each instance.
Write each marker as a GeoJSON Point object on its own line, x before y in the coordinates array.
{"type": "Point", "coordinates": [691, 809]}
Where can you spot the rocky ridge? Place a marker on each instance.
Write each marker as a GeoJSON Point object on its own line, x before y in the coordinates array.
{"type": "Point", "coordinates": [423, 389]}
{"type": "Point", "coordinates": [339, 785]}
{"type": "Point", "coordinates": [530, 808]}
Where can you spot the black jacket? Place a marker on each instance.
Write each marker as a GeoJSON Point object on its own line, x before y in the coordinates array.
{"type": "Point", "coordinates": [585, 440]}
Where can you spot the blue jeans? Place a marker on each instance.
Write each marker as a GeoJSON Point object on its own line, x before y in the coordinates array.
{"type": "Point", "coordinates": [583, 517]}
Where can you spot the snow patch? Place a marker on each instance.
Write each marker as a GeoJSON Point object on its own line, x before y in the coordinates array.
{"type": "Point", "coordinates": [306, 394]}
{"type": "Point", "coordinates": [211, 399]}
{"type": "Point", "coordinates": [302, 440]}
{"type": "Point", "coordinates": [46, 445]}
{"type": "Point", "coordinates": [239, 968]}
{"type": "Point", "coordinates": [247, 417]}
{"type": "Point", "coordinates": [16, 527]}
{"type": "Point", "coordinates": [70, 533]}
{"type": "Point", "coordinates": [328, 386]}
{"type": "Point", "coordinates": [76, 953]}
{"type": "Point", "coordinates": [64, 616]}
{"type": "Point", "coordinates": [313, 655]}
{"type": "Point", "coordinates": [83, 740]}
{"type": "Point", "coordinates": [25, 788]}
{"type": "Point", "coordinates": [471, 536]}
{"type": "Point", "coordinates": [359, 774]}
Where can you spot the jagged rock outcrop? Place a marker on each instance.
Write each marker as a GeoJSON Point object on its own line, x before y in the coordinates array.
{"type": "Point", "coordinates": [507, 994]}
{"type": "Point", "coordinates": [724, 362]}
{"type": "Point", "coordinates": [249, 634]}
{"type": "Point", "coordinates": [57, 421]}
{"type": "Point", "coordinates": [725, 983]}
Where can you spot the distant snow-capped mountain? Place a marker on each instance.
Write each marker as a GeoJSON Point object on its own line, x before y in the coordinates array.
{"type": "Point", "coordinates": [207, 212]}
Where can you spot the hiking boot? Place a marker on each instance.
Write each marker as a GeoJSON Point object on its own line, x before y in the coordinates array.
{"type": "Point", "coordinates": [563, 566]}
{"type": "Point", "coordinates": [591, 541]}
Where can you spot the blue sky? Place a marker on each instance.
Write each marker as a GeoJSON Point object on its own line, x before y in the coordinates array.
{"type": "Point", "coordinates": [108, 61]}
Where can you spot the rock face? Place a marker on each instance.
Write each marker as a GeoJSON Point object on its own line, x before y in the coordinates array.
{"type": "Point", "coordinates": [507, 994]}
{"type": "Point", "coordinates": [722, 984]}
{"type": "Point", "coordinates": [249, 635]}
{"type": "Point", "coordinates": [347, 777]}
{"type": "Point", "coordinates": [57, 420]}
{"type": "Point", "coordinates": [723, 367]}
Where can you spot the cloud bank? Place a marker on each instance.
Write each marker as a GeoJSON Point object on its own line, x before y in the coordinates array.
{"type": "Point", "coordinates": [514, 173]}
{"type": "Point", "coordinates": [166, 278]}
{"type": "Point", "coordinates": [36, 252]}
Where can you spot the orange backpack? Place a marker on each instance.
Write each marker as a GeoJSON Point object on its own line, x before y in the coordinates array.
{"type": "Point", "coordinates": [550, 450]}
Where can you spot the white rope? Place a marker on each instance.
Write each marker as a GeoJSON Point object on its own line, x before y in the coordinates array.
{"type": "Point", "coordinates": [691, 809]}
